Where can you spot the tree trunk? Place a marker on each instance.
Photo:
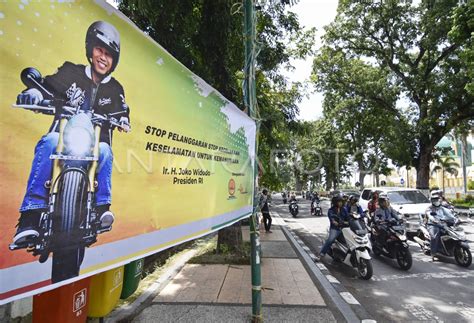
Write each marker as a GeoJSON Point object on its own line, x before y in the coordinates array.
{"type": "Point", "coordinates": [442, 178]}
{"type": "Point", "coordinates": [377, 179]}
{"type": "Point", "coordinates": [230, 238]}
{"type": "Point", "coordinates": [328, 185]}
{"type": "Point", "coordinates": [361, 179]}
{"type": "Point", "coordinates": [423, 169]}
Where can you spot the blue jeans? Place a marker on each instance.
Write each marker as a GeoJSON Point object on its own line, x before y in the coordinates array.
{"type": "Point", "coordinates": [36, 196]}
{"type": "Point", "coordinates": [333, 234]}
{"type": "Point", "coordinates": [435, 242]}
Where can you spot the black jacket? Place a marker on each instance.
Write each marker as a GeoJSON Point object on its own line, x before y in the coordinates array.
{"type": "Point", "coordinates": [73, 84]}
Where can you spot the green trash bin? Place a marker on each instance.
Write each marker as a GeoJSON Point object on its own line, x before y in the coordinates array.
{"type": "Point", "coordinates": [131, 277]}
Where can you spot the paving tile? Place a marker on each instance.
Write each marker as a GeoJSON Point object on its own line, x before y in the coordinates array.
{"type": "Point", "coordinates": [284, 281]}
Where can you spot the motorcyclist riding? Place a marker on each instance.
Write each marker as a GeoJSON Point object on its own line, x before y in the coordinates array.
{"type": "Point", "coordinates": [353, 206]}
{"type": "Point", "coordinates": [83, 87]}
{"type": "Point", "coordinates": [315, 197]}
{"type": "Point", "coordinates": [383, 214]}
{"type": "Point", "coordinates": [337, 214]}
{"type": "Point", "coordinates": [434, 213]}
{"type": "Point", "coordinates": [374, 202]}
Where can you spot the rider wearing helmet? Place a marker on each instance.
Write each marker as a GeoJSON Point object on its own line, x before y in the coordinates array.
{"type": "Point", "coordinates": [353, 206]}
{"type": "Point", "coordinates": [433, 215]}
{"type": "Point", "coordinates": [336, 214]}
{"type": "Point", "coordinates": [85, 87]}
{"type": "Point", "coordinates": [385, 212]}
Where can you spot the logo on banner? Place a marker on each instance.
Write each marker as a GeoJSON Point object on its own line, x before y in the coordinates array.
{"type": "Point", "coordinates": [231, 188]}
{"type": "Point", "coordinates": [75, 95]}
{"type": "Point", "coordinates": [79, 301]}
{"type": "Point", "coordinates": [104, 101]}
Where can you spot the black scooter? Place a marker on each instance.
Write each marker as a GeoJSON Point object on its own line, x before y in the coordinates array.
{"type": "Point", "coordinates": [293, 208]}
{"type": "Point", "coordinates": [389, 239]}
{"type": "Point", "coordinates": [316, 209]}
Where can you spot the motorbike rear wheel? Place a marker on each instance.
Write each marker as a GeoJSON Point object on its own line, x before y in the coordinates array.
{"type": "Point", "coordinates": [404, 258]}
{"type": "Point", "coordinates": [69, 211]}
{"type": "Point", "coordinates": [463, 256]}
{"type": "Point", "coordinates": [364, 269]}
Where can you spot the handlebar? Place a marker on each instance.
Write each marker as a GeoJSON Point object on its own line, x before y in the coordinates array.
{"type": "Point", "coordinates": [49, 107]}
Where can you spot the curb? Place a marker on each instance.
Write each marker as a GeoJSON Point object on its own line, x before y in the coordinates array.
{"type": "Point", "coordinates": [343, 300]}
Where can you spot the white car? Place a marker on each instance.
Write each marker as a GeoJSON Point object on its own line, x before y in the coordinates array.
{"type": "Point", "coordinates": [411, 203]}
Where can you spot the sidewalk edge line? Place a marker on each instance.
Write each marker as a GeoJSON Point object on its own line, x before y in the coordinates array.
{"type": "Point", "coordinates": [343, 307]}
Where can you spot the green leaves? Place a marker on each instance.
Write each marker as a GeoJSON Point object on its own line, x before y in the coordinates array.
{"type": "Point", "coordinates": [207, 37]}
{"type": "Point", "coordinates": [409, 61]}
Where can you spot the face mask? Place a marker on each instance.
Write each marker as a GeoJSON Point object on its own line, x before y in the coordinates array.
{"type": "Point", "coordinates": [437, 203]}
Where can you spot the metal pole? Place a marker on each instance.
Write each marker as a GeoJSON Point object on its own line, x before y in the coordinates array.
{"type": "Point", "coordinates": [250, 105]}
{"type": "Point", "coordinates": [464, 162]}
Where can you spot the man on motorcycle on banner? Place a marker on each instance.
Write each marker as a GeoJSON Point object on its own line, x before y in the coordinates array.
{"type": "Point", "coordinates": [434, 213]}
{"type": "Point", "coordinates": [383, 215]}
{"type": "Point", "coordinates": [337, 215]}
{"type": "Point", "coordinates": [86, 88]}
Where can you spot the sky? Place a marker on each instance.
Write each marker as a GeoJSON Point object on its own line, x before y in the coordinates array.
{"type": "Point", "coordinates": [311, 13]}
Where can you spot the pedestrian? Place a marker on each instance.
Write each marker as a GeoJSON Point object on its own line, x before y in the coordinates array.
{"type": "Point", "coordinates": [265, 209]}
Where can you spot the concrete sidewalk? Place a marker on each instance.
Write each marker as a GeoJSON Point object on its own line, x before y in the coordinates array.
{"type": "Point", "coordinates": [222, 293]}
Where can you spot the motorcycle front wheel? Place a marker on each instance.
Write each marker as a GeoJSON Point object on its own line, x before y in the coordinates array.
{"type": "Point", "coordinates": [463, 256]}
{"type": "Point", "coordinates": [404, 258]}
{"type": "Point", "coordinates": [364, 268]}
{"type": "Point", "coordinates": [69, 212]}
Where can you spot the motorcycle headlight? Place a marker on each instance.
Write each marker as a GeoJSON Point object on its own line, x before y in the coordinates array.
{"type": "Point", "coordinates": [78, 136]}
{"type": "Point", "coordinates": [401, 236]}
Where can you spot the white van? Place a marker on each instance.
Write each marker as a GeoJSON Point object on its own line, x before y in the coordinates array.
{"type": "Point", "coordinates": [411, 203]}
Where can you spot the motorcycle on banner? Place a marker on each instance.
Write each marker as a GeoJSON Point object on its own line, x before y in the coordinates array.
{"type": "Point", "coordinates": [71, 222]}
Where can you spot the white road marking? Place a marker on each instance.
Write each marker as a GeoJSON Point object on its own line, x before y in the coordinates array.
{"type": "Point", "coordinates": [465, 310]}
{"type": "Point", "coordinates": [349, 298]}
{"type": "Point", "coordinates": [444, 275]}
{"type": "Point", "coordinates": [332, 279]}
{"type": "Point", "coordinates": [368, 321]}
{"type": "Point", "coordinates": [421, 313]}
{"type": "Point", "coordinates": [321, 266]}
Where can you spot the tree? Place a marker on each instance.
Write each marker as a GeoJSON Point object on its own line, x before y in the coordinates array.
{"type": "Point", "coordinates": [206, 36]}
{"type": "Point", "coordinates": [411, 40]}
{"type": "Point", "coordinates": [446, 165]}
{"type": "Point", "coordinates": [323, 154]}
{"type": "Point", "coordinates": [463, 28]}
{"type": "Point", "coordinates": [356, 94]}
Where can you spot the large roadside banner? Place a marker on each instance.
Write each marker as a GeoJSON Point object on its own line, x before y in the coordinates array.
{"type": "Point", "coordinates": [185, 168]}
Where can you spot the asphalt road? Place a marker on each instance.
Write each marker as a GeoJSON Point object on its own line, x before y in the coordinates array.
{"type": "Point", "coordinates": [430, 291]}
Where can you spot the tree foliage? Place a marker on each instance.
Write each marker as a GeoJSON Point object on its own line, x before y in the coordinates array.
{"type": "Point", "coordinates": [419, 53]}
{"type": "Point", "coordinates": [207, 37]}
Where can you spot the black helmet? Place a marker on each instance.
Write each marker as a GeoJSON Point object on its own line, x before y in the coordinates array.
{"type": "Point", "coordinates": [336, 198]}
{"type": "Point", "coordinates": [101, 33]}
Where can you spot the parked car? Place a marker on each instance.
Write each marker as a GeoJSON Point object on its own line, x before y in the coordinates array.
{"type": "Point", "coordinates": [409, 202]}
